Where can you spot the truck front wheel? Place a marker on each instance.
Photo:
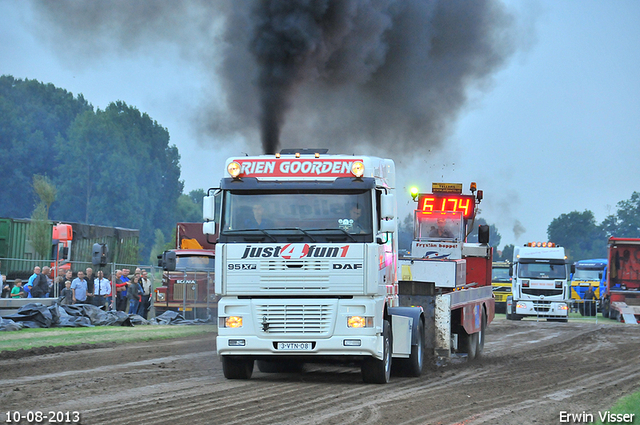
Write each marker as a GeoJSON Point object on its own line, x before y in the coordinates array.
{"type": "Point", "coordinates": [237, 367]}
{"type": "Point", "coordinates": [376, 371]}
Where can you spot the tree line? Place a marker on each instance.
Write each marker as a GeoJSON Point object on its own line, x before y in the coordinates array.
{"type": "Point", "coordinates": [112, 167]}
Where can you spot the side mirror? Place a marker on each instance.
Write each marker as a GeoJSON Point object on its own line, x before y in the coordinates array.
{"type": "Point", "coordinates": [388, 205]}
{"type": "Point", "coordinates": [388, 226]}
{"type": "Point", "coordinates": [483, 234]}
{"type": "Point", "coordinates": [99, 254]}
{"type": "Point", "coordinates": [209, 228]}
{"type": "Point", "coordinates": [208, 208]}
{"type": "Point", "coordinates": [168, 261]}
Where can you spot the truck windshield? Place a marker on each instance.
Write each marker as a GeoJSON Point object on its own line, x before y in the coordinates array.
{"type": "Point", "coordinates": [587, 274]}
{"type": "Point", "coordinates": [546, 270]}
{"type": "Point", "coordinates": [312, 214]}
{"type": "Point", "coordinates": [500, 274]}
{"type": "Point", "coordinates": [195, 263]}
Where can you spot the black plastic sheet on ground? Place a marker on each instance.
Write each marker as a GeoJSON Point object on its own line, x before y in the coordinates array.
{"type": "Point", "coordinates": [174, 318]}
{"type": "Point", "coordinates": [37, 315]}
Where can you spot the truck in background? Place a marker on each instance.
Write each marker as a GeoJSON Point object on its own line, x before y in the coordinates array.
{"type": "Point", "coordinates": [501, 284]}
{"type": "Point", "coordinates": [586, 274]}
{"type": "Point", "coordinates": [621, 300]}
{"type": "Point", "coordinates": [539, 282]}
{"type": "Point", "coordinates": [447, 276]}
{"type": "Point", "coordinates": [188, 276]}
{"type": "Point", "coordinates": [70, 243]}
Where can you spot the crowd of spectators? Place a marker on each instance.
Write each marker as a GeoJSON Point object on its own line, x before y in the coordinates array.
{"type": "Point", "coordinates": [132, 290]}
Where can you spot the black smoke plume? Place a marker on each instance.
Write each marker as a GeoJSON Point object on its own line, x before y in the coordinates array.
{"type": "Point", "coordinates": [388, 75]}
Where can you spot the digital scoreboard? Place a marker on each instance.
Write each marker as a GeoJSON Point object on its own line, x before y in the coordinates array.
{"type": "Point", "coordinates": [438, 202]}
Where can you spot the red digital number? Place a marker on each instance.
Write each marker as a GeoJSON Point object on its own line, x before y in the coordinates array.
{"type": "Point", "coordinates": [427, 203]}
{"type": "Point", "coordinates": [434, 203]}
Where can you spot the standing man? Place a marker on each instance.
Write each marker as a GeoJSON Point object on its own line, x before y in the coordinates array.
{"type": "Point", "coordinates": [79, 288]}
{"type": "Point", "coordinates": [143, 310]}
{"type": "Point", "coordinates": [6, 291]}
{"type": "Point", "coordinates": [101, 289]}
{"type": "Point", "coordinates": [29, 285]}
{"type": "Point", "coordinates": [89, 277]}
{"type": "Point", "coordinates": [40, 286]}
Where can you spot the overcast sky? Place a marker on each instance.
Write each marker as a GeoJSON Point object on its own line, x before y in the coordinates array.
{"type": "Point", "coordinates": [555, 129]}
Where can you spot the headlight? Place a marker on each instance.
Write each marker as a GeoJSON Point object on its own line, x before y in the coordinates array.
{"type": "Point", "coordinates": [359, 322]}
{"type": "Point", "coordinates": [233, 169]}
{"type": "Point", "coordinates": [357, 168]}
{"type": "Point", "coordinates": [161, 296]}
{"type": "Point", "coordinates": [231, 322]}
{"type": "Point", "coordinates": [564, 307]}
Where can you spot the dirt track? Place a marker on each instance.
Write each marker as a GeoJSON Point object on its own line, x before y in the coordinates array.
{"type": "Point", "coordinates": [530, 372]}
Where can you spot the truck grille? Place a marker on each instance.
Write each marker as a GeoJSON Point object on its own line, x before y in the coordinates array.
{"type": "Point", "coordinates": [542, 306]}
{"type": "Point", "coordinates": [295, 318]}
{"type": "Point", "coordinates": [179, 291]}
{"type": "Point", "coordinates": [545, 292]}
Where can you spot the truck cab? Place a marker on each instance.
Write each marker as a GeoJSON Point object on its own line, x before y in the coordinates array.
{"type": "Point", "coordinates": [587, 274]}
{"type": "Point", "coordinates": [188, 275]}
{"type": "Point", "coordinates": [501, 284]}
{"type": "Point", "coordinates": [539, 282]}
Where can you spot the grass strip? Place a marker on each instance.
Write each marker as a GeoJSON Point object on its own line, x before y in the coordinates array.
{"type": "Point", "coordinates": [32, 338]}
{"type": "Point", "coordinates": [629, 405]}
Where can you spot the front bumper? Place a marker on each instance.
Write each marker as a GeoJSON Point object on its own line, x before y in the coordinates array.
{"type": "Point", "coordinates": [552, 309]}
{"type": "Point", "coordinates": [334, 346]}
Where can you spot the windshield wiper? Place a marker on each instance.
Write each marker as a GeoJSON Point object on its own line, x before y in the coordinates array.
{"type": "Point", "coordinates": [333, 229]}
{"type": "Point", "coordinates": [300, 230]}
{"type": "Point", "coordinates": [241, 231]}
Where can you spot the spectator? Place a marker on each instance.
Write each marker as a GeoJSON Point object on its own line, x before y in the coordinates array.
{"type": "Point", "coordinates": [17, 291]}
{"type": "Point", "coordinates": [79, 288]}
{"type": "Point", "coordinates": [27, 289]}
{"type": "Point", "coordinates": [121, 291]}
{"type": "Point", "coordinates": [143, 310]}
{"type": "Point", "coordinates": [40, 287]}
{"type": "Point", "coordinates": [66, 295]}
{"type": "Point", "coordinates": [68, 275]}
{"type": "Point", "coordinates": [101, 289]}
{"type": "Point", "coordinates": [36, 273]}
{"type": "Point", "coordinates": [133, 294]}
{"type": "Point", "coordinates": [89, 277]}
{"type": "Point", "coordinates": [590, 302]}
{"type": "Point", "coordinates": [6, 290]}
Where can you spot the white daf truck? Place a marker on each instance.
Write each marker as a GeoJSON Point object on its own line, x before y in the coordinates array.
{"type": "Point", "coordinates": [539, 282]}
{"type": "Point", "coordinates": [307, 267]}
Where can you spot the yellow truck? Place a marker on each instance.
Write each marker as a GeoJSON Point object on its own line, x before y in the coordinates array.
{"type": "Point", "coordinates": [501, 284]}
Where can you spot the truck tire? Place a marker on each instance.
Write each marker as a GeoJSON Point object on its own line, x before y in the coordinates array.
{"type": "Point", "coordinates": [376, 371]}
{"type": "Point", "coordinates": [469, 344]}
{"type": "Point", "coordinates": [415, 363]}
{"type": "Point", "coordinates": [237, 367]}
{"type": "Point", "coordinates": [266, 366]}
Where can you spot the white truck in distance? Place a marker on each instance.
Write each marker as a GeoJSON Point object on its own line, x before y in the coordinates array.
{"type": "Point", "coordinates": [539, 283]}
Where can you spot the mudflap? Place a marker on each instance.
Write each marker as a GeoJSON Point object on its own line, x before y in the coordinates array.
{"type": "Point", "coordinates": [412, 313]}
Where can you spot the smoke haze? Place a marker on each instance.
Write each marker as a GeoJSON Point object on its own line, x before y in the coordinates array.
{"type": "Point", "coordinates": [388, 75]}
